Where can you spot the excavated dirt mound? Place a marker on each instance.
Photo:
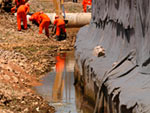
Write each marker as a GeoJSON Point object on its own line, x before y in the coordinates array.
{"type": "Point", "coordinates": [47, 6]}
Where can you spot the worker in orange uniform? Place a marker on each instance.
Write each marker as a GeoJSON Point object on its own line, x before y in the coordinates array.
{"type": "Point", "coordinates": [44, 22]}
{"type": "Point", "coordinates": [35, 17]}
{"type": "Point", "coordinates": [86, 5]}
{"type": "Point", "coordinates": [17, 4]}
{"type": "Point", "coordinates": [60, 28]}
{"type": "Point", "coordinates": [21, 15]}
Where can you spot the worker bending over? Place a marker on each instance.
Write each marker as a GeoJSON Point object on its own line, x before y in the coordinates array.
{"type": "Point", "coordinates": [35, 17]}
{"type": "Point", "coordinates": [86, 4]}
{"type": "Point", "coordinates": [44, 22]}
{"type": "Point", "coordinates": [17, 4]}
{"type": "Point", "coordinates": [60, 28]}
{"type": "Point", "coordinates": [22, 15]}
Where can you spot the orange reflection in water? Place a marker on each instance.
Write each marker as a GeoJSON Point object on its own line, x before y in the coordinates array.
{"type": "Point", "coordinates": [58, 86]}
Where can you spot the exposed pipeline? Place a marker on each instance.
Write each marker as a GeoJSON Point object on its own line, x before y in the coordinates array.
{"type": "Point", "coordinates": [74, 19]}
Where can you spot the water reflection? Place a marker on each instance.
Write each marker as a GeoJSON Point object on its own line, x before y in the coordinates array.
{"type": "Point", "coordinates": [58, 87]}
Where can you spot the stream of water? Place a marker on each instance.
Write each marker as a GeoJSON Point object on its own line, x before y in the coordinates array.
{"type": "Point", "coordinates": [58, 86]}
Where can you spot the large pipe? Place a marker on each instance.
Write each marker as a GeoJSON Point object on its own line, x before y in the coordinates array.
{"type": "Point", "coordinates": [74, 19]}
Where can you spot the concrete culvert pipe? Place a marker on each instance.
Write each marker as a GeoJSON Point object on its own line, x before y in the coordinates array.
{"type": "Point", "coordinates": [74, 19]}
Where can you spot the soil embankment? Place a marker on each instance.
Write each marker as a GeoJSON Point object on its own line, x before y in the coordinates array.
{"type": "Point", "coordinates": [24, 58]}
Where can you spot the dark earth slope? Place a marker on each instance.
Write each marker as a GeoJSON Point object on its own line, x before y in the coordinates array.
{"type": "Point", "coordinates": [121, 77]}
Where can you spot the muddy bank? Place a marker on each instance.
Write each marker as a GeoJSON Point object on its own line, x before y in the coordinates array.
{"type": "Point", "coordinates": [16, 81]}
{"type": "Point", "coordinates": [24, 58]}
{"type": "Point", "coordinates": [121, 77]}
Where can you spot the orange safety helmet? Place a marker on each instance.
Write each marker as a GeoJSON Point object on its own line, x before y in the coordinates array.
{"type": "Point", "coordinates": [56, 16]}
{"type": "Point", "coordinates": [27, 4]}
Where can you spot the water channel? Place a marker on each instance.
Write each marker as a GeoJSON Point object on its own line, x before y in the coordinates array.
{"type": "Point", "coordinates": [58, 86]}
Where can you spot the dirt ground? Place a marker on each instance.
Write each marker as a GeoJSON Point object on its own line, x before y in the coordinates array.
{"type": "Point", "coordinates": [25, 57]}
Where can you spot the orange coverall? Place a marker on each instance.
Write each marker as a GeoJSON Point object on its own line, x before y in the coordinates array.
{"type": "Point", "coordinates": [35, 17]}
{"type": "Point", "coordinates": [18, 3]}
{"type": "Point", "coordinates": [44, 22]}
{"type": "Point", "coordinates": [85, 3]}
{"type": "Point", "coordinates": [21, 15]}
{"type": "Point", "coordinates": [60, 24]}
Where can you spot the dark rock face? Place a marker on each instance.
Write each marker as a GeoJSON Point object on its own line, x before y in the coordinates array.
{"type": "Point", "coordinates": [121, 79]}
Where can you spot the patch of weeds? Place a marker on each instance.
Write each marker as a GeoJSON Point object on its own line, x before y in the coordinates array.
{"type": "Point", "coordinates": [38, 72]}
{"type": "Point", "coordinates": [32, 10]}
{"type": "Point", "coordinates": [32, 48]}
{"type": "Point", "coordinates": [0, 35]}
{"type": "Point", "coordinates": [21, 50]}
{"type": "Point", "coordinates": [32, 34]}
{"type": "Point", "coordinates": [27, 51]}
{"type": "Point", "coordinates": [18, 38]}
{"type": "Point", "coordinates": [34, 59]}
{"type": "Point", "coordinates": [54, 46]}
{"type": "Point", "coordinates": [48, 48]}
{"type": "Point", "coordinates": [38, 6]}
{"type": "Point", "coordinates": [7, 33]}
{"type": "Point", "coordinates": [37, 36]}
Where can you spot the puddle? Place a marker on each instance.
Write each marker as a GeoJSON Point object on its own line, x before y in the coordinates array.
{"type": "Point", "coordinates": [58, 86]}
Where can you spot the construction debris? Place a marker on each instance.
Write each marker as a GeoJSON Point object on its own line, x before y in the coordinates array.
{"type": "Point", "coordinates": [99, 51]}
